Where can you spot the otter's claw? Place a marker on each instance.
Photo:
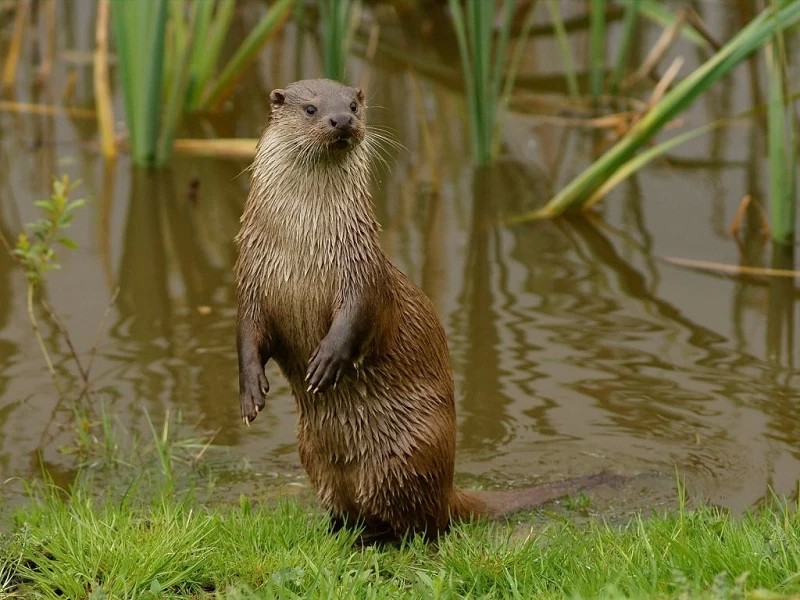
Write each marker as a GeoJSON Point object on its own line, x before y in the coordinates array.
{"type": "Point", "coordinates": [326, 367]}
{"type": "Point", "coordinates": [253, 387]}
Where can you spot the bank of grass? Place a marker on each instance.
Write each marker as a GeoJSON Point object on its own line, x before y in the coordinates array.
{"type": "Point", "coordinates": [73, 545]}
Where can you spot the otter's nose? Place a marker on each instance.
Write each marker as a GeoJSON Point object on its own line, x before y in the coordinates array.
{"type": "Point", "coordinates": [342, 121]}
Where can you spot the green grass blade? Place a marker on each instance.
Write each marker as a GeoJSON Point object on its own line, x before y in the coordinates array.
{"type": "Point", "coordinates": [646, 157]}
{"type": "Point", "coordinates": [234, 69]}
{"type": "Point", "coordinates": [516, 57]}
{"type": "Point", "coordinates": [174, 40]}
{"type": "Point", "coordinates": [483, 64]}
{"type": "Point", "coordinates": [658, 12]}
{"type": "Point", "coordinates": [477, 53]}
{"type": "Point", "coordinates": [139, 29]}
{"type": "Point", "coordinates": [780, 146]}
{"type": "Point", "coordinates": [482, 28]}
{"type": "Point", "coordinates": [153, 78]}
{"type": "Point", "coordinates": [597, 49]}
{"type": "Point", "coordinates": [506, 22]}
{"type": "Point", "coordinates": [177, 84]}
{"type": "Point", "coordinates": [628, 32]}
{"type": "Point", "coordinates": [212, 28]}
{"type": "Point", "coordinates": [565, 49]}
{"type": "Point", "coordinates": [122, 21]}
{"type": "Point", "coordinates": [748, 40]}
{"type": "Point", "coordinates": [334, 20]}
{"type": "Point", "coordinates": [459, 25]}
{"type": "Point", "coordinates": [503, 78]}
{"type": "Point", "coordinates": [513, 67]}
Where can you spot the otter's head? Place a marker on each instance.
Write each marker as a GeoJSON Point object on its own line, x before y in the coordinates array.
{"type": "Point", "coordinates": [320, 115]}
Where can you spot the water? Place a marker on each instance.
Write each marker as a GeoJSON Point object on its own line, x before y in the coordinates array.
{"type": "Point", "coordinates": [576, 346]}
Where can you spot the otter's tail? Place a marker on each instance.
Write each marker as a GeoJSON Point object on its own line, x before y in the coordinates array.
{"type": "Point", "coordinates": [467, 505]}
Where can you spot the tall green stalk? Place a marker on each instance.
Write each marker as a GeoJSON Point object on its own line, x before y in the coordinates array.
{"type": "Point", "coordinates": [215, 91]}
{"type": "Point", "coordinates": [164, 78]}
{"type": "Point", "coordinates": [660, 12]}
{"type": "Point", "coordinates": [597, 48]}
{"type": "Point", "coordinates": [487, 79]}
{"type": "Point", "coordinates": [139, 30]}
{"type": "Point", "coordinates": [781, 146]}
{"type": "Point", "coordinates": [213, 21]}
{"type": "Point", "coordinates": [753, 36]}
{"type": "Point", "coordinates": [564, 47]}
{"type": "Point", "coordinates": [628, 32]}
{"type": "Point", "coordinates": [335, 18]}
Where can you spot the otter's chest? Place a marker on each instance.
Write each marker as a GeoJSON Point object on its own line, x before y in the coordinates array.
{"type": "Point", "coordinates": [310, 249]}
{"type": "Point", "coordinates": [301, 278]}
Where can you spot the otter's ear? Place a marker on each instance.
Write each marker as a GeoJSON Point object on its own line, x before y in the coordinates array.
{"type": "Point", "coordinates": [277, 97]}
{"type": "Point", "coordinates": [360, 95]}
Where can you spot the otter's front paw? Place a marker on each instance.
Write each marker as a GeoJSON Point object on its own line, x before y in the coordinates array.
{"type": "Point", "coordinates": [326, 366]}
{"type": "Point", "coordinates": [253, 387]}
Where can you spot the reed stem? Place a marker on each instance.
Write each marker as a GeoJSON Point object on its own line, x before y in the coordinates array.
{"type": "Point", "coordinates": [105, 112]}
{"type": "Point", "coordinates": [597, 50]}
{"type": "Point", "coordinates": [780, 146]}
{"type": "Point", "coordinates": [753, 36]}
{"type": "Point", "coordinates": [15, 46]}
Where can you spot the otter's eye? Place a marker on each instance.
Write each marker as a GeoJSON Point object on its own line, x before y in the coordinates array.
{"type": "Point", "coordinates": [311, 110]}
{"type": "Point", "coordinates": [353, 106]}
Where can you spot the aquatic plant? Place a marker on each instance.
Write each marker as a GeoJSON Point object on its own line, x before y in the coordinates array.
{"type": "Point", "coordinates": [626, 41]}
{"type": "Point", "coordinates": [487, 78]}
{"type": "Point", "coordinates": [584, 190]}
{"type": "Point", "coordinates": [207, 92]}
{"type": "Point", "coordinates": [564, 48]}
{"type": "Point", "coordinates": [781, 145]}
{"type": "Point", "coordinates": [597, 46]}
{"type": "Point", "coordinates": [35, 251]}
{"type": "Point", "coordinates": [35, 248]}
{"type": "Point", "coordinates": [163, 78]}
{"type": "Point", "coordinates": [337, 35]}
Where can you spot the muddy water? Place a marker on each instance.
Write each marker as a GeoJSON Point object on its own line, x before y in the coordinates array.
{"type": "Point", "coordinates": [576, 345]}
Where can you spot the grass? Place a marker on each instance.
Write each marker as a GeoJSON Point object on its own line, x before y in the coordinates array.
{"type": "Point", "coordinates": [131, 527]}
{"type": "Point", "coordinates": [623, 56]}
{"type": "Point", "coordinates": [72, 545]}
{"type": "Point", "coordinates": [126, 530]}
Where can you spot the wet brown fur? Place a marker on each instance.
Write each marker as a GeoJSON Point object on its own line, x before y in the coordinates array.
{"type": "Point", "coordinates": [361, 346]}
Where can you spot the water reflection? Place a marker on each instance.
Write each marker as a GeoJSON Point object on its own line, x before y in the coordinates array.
{"type": "Point", "coordinates": [575, 347]}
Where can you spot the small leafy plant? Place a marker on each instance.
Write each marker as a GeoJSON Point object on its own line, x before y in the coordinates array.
{"type": "Point", "coordinates": [35, 250]}
{"type": "Point", "coordinates": [36, 246]}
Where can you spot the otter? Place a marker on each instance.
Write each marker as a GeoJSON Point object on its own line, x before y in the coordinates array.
{"type": "Point", "coordinates": [361, 345]}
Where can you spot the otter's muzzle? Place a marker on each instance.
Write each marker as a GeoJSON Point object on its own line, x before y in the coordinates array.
{"type": "Point", "coordinates": [342, 122]}
{"type": "Point", "coordinates": [342, 126]}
